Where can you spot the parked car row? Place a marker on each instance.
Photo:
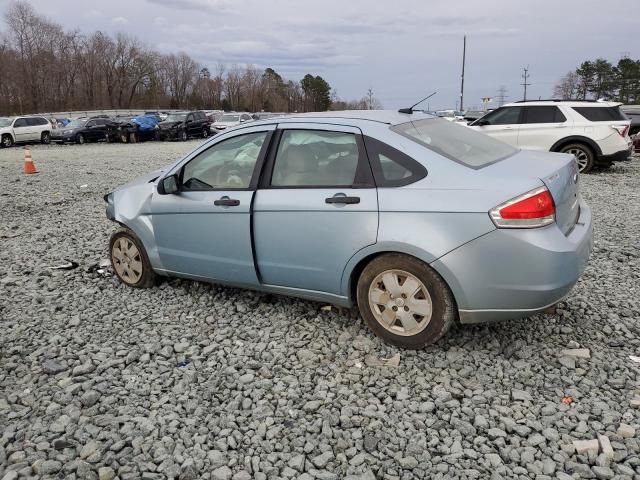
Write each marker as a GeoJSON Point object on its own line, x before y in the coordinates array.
{"type": "Point", "coordinates": [152, 125]}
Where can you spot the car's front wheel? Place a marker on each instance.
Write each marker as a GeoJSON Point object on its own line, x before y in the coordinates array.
{"type": "Point", "coordinates": [584, 155]}
{"type": "Point", "coordinates": [183, 136]}
{"type": "Point", "coordinates": [80, 139]}
{"type": "Point", "coordinates": [129, 260]}
{"type": "Point", "coordinates": [6, 141]}
{"type": "Point", "coordinates": [404, 301]}
{"type": "Point", "coordinates": [45, 138]}
{"type": "Point", "coordinates": [205, 132]}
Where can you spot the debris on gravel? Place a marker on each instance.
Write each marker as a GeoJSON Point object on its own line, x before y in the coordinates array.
{"type": "Point", "coordinates": [190, 380]}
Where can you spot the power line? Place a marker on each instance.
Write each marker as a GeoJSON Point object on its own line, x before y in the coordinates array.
{"type": "Point", "coordinates": [525, 76]}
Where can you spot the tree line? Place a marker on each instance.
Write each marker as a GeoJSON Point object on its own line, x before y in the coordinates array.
{"type": "Point", "coordinates": [46, 69]}
{"type": "Point", "coordinates": [600, 79]}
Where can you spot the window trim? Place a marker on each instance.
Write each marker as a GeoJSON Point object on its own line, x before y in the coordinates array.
{"type": "Point", "coordinates": [363, 177]}
{"type": "Point", "coordinates": [257, 168]}
{"type": "Point", "coordinates": [376, 167]}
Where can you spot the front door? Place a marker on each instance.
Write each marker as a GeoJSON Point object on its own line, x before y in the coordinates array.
{"type": "Point", "coordinates": [22, 130]}
{"type": "Point", "coordinates": [204, 230]}
{"type": "Point", "coordinates": [316, 208]}
{"type": "Point", "coordinates": [503, 124]}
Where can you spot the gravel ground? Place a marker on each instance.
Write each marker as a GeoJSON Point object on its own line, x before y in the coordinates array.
{"type": "Point", "coordinates": [192, 380]}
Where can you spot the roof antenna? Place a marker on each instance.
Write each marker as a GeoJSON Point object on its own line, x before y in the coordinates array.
{"type": "Point", "coordinates": [410, 109]}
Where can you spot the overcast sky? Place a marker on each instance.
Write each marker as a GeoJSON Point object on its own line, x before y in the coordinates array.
{"type": "Point", "coordinates": [402, 49]}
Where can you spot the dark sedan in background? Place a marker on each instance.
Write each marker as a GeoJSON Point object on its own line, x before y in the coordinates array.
{"type": "Point", "coordinates": [182, 126]}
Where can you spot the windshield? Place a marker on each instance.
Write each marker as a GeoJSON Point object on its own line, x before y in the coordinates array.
{"type": "Point", "coordinates": [456, 142]}
{"type": "Point", "coordinates": [176, 117]}
{"type": "Point", "coordinates": [5, 122]}
{"type": "Point", "coordinates": [75, 124]}
{"type": "Point", "coordinates": [229, 118]}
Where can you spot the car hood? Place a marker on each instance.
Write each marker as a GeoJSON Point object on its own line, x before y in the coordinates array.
{"type": "Point", "coordinates": [5, 129]}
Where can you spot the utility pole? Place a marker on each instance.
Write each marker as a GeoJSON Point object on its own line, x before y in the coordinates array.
{"type": "Point", "coordinates": [502, 95]}
{"type": "Point", "coordinates": [464, 53]}
{"type": "Point", "coordinates": [525, 76]}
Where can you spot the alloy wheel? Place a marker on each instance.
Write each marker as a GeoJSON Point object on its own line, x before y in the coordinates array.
{"type": "Point", "coordinates": [581, 157]}
{"type": "Point", "coordinates": [400, 302]}
{"type": "Point", "coordinates": [127, 260]}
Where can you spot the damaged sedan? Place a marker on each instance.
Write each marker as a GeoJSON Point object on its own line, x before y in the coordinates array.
{"type": "Point", "coordinates": [415, 220]}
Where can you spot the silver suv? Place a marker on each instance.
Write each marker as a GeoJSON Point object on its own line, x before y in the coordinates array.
{"type": "Point", "coordinates": [24, 130]}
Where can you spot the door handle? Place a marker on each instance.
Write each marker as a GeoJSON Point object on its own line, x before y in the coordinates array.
{"type": "Point", "coordinates": [341, 199]}
{"type": "Point", "coordinates": [226, 202]}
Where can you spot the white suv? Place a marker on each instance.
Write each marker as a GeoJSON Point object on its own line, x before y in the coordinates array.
{"type": "Point", "coordinates": [597, 133]}
{"type": "Point", "coordinates": [24, 129]}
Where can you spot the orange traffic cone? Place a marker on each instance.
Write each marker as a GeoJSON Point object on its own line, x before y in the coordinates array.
{"type": "Point", "coordinates": [29, 166]}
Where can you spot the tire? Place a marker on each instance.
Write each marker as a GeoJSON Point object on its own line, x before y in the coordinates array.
{"type": "Point", "coordinates": [6, 141]}
{"type": "Point", "coordinates": [183, 136]}
{"type": "Point", "coordinates": [131, 267]}
{"type": "Point", "coordinates": [133, 138]}
{"type": "Point", "coordinates": [45, 138]}
{"type": "Point", "coordinates": [428, 313]}
{"type": "Point", "coordinates": [124, 138]}
{"type": "Point", "coordinates": [584, 155]}
{"type": "Point", "coordinates": [205, 132]}
{"type": "Point", "coordinates": [80, 139]}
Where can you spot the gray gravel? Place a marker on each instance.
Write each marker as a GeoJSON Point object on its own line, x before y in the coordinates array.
{"type": "Point", "coordinates": [189, 380]}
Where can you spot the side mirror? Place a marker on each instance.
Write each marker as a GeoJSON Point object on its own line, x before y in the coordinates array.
{"type": "Point", "coordinates": [168, 185]}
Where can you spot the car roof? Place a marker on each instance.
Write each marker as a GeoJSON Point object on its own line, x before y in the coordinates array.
{"type": "Point", "coordinates": [568, 103]}
{"type": "Point", "coordinates": [389, 117]}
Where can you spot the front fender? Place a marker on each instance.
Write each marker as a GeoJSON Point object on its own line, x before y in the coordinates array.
{"type": "Point", "coordinates": [132, 208]}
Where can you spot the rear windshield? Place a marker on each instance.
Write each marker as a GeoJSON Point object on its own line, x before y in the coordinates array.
{"type": "Point", "coordinates": [456, 142]}
{"type": "Point", "coordinates": [601, 114]}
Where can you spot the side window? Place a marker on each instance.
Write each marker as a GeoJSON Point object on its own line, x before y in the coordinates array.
{"type": "Point", "coordinates": [391, 167]}
{"type": "Point", "coordinates": [20, 122]}
{"type": "Point", "coordinates": [190, 117]}
{"type": "Point", "coordinates": [503, 116]}
{"type": "Point", "coordinates": [316, 158]}
{"type": "Point", "coordinates": [32, 122]}
{"type": "Point", "coordinates": [543, 114]}
{"type": "Point", "coordinates": [42, 121]}
{"type": "Point", "coordinates": [91, 123]}
{"type": "Point", "coordinates": [225, 165]}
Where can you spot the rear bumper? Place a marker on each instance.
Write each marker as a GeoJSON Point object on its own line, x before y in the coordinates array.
{"type": "Point", "coordinates": [620, 156]}
{"type": "Point", "coordinates": [509, 274]}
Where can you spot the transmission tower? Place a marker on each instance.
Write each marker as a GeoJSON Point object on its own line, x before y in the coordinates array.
{"type": "Point", "coordinates": [502, 95]}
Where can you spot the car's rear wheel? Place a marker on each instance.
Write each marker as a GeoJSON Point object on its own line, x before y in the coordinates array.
{"type": "Point", "coordinates": [7, 141]}
{"type": "Point", "coordinates": [183, 136]}
{"type": "Point", "coordinates": [80, 139]}
{"type": "Point", "coordinates": [129, 260]}
{"type": "Point", "coordinates": [205, 132]}
{"type": "Point", "coordinates": [584, 155]}
{"type": "Point", "coordinates": [45, 138]}
{"type": "Point", "coordinates": [404, 301]}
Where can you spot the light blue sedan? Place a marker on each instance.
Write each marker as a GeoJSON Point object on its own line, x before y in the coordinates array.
{"type": "Point", "coordinates": [414, 219]}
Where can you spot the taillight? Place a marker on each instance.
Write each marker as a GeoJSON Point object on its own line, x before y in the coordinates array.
{"type": "Point", "coordinates": [621, 129]}
{"type": "Point", "coordinates": [533, 209]}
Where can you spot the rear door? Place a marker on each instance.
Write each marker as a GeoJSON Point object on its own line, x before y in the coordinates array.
{"type": "Point", "coordinates": [316, 208]}
{"type": "Point", "coordinates": [542, 126]}
{"type": "Point", "coordinates": [503, 124]}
